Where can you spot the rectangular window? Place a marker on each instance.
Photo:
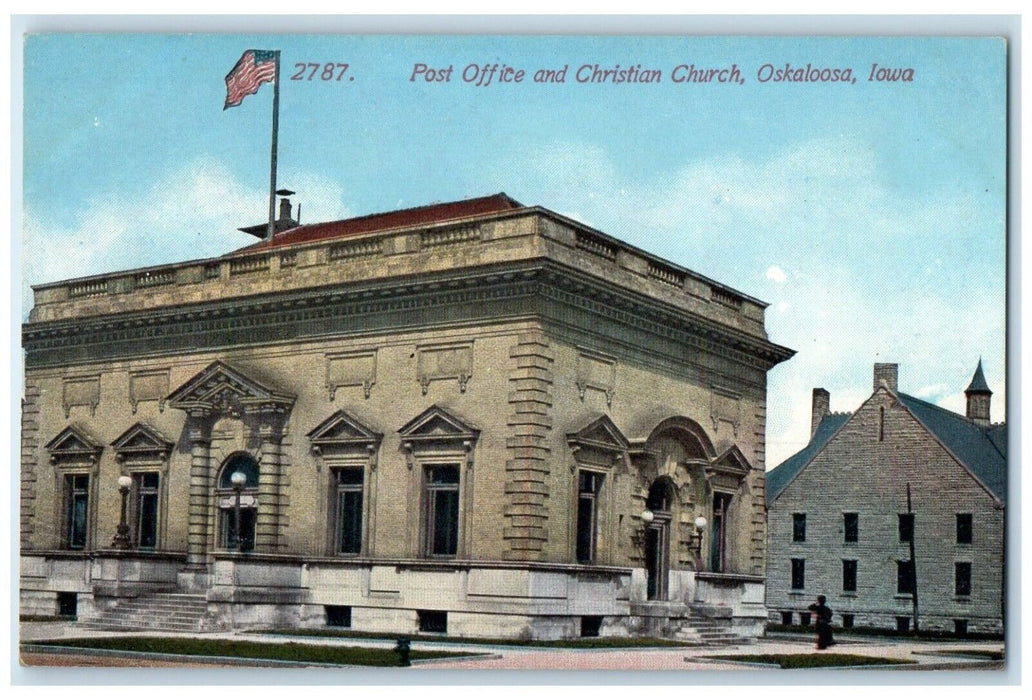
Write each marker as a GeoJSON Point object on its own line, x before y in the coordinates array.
{"type": "Point", "coordinates": [906, 527]}
{"type": "Point", "coordinates": [905, 577]}
{"type": "Point", "coordinates": [786, 617]}
{"type": "Point", "coordinates": [902, 624]}
{"type": "Point", "coordinates": [798, 574]}
{"type": "Point", "coordinates": [588, 487]}
{"type": "Point", "coordinates": [962, 578]}
{"type": "Point", "coordinates": [147, 491]}
{"type": "Point", "coordinates": [847, 621]}
{"type": "Point", "coordinates": [804, 619]}
{"type": "Point", "coordinates": [799, 527]}
{"type": "Point", "coordinates": [849, 575]}
{"type": "Point", "coordinates": [960, 628]}
{"type": "Point", "coordinates": [78, 490]}
{"type": "Point", "coordinates": [963, 528]}
{"type": "Point", "coordinates": [349, 511]}
{"type": "Point", "coordinates": [851, 527]}
{"type": "Point", "coordinates": [442, 511]}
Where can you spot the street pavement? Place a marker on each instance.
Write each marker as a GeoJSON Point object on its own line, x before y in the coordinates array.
{"type": "Point", "coordinates": [928, 654]}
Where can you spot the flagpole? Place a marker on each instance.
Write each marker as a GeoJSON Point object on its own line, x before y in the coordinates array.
{"type": "Point", "coordinates": [275, 132]}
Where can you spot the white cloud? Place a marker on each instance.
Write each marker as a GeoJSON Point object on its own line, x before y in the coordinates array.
{"type": "Point", "coordinates": [881, 272]}
{"type": "Point", "coordinates": [191, 212]}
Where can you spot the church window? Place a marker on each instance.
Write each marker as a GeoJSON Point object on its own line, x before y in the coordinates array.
{"type": "Point", "coordinates": [799, 527]}
{"type": "Point", "coordinates": [851, 527]}
{"type": "Point", "coordinates": [962, 578]}
{"type": "Point", "coordinates": [906, 527]}
{"type": "Point", "coordinates": [964, 522]}
{"type": "Point", "coordinates": [798, 574]}
{"type": "Point", "coordinates": [849, 575]}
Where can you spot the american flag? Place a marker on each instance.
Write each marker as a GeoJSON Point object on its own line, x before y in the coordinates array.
{"type": "Point", "coordinates": [254, 68]}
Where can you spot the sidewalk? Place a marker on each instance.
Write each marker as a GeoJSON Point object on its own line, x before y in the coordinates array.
{"type": "Point", "coordinates": [928, 654]}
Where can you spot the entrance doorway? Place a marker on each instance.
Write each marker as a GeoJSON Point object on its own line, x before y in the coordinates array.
{"type": "Point", "coordinates": [231, 535]}
{"type": "Point", "coordinates": [657, 538]}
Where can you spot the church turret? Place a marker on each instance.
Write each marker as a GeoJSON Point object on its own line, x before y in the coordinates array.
{"type": "Point", "coordinates": [978, 397]}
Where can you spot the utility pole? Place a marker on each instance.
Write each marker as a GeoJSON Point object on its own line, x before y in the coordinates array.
{"type": "Point", "coordinates": [913, 561]}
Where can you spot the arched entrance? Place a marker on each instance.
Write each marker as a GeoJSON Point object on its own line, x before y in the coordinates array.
{"type": "Point", "coordinates": [234, 535]}
{"type": "Point", "coordinates": [660, 504]}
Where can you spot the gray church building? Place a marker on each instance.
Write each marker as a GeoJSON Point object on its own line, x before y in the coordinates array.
{"type": "Point", "coordinates": [896, 507]}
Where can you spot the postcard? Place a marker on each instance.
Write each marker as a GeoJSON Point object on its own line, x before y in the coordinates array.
{"type": "Point", "coordinates": [554, 352]}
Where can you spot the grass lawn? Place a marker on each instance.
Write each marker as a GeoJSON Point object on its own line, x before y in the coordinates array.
{"type": "Point", "coordinates": [283, 651]}
{"type": "Point", "coordinates": [581, 643]}
{"type": "Point", "coordinates": [991, 654]}
{"type": "Point", "coordinates": [813, 660]}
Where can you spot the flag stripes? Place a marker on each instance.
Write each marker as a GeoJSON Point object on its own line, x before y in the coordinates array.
{"type": "Point", "coordinates": [254, 68]}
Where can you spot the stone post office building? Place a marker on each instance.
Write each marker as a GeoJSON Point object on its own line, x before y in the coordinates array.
{"type": "Point", "coordinates": [476, 417]}
{"type": "Point", "coordinates": [896, 484]}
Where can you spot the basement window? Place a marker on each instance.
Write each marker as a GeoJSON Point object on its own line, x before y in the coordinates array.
{"type": "Point", "coordinates": [590, 625]}
{"type": "Point", "coordinates": [960, 628]}
{"type": "Point", "coordinates": [847, 621]}
{"type": "Point", "coordinates": [338, 615]}
{"type": "Point", "coordinates": [786, 617]}
{"type": "Point", "coordinates": [67, 604]}
{"type": "Point", "coordinates": [433, 621]}
{"type": "Point", "coordinates": [902, 624]}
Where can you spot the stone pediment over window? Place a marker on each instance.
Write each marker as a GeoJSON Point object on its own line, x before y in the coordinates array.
{"type": "Point", "coordinates": [143, 443]}
{"type": "Point", "coordinates": [74, 446]}
{"type": "Point", "coordinates": [728, 468]}
{"type": "Point", "coordinates": [343, 434]}
{"type": "Point", "coordinates": [436, 429]}
{"type": "Point", "coordinates": [599, 442]}
{"type": "Point", "coordinates": [220, 389]}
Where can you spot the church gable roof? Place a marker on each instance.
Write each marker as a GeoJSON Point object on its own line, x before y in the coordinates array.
{"type": "Point", "coordinates": [781, 476]}
{"type": "Point", "coordinates": [971, 444]}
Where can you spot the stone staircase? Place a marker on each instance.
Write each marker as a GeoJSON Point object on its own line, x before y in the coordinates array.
{"type": "Point", "coordinates": [709, 626]}
{"type": "Point", "coordinates": [163, 612]}
{"type": "Point", "coordinates": [708, 632]}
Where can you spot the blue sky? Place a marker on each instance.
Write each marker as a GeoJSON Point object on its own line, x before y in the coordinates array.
{"type": "Point", "coordinates": [871, 216]}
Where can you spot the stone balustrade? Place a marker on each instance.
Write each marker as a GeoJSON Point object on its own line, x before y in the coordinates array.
{"type": "Point", "coordinates": [482, 240]}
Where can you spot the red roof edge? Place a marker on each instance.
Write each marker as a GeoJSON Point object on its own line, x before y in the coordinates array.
{"type": "Point", "coordinates": [401, 218]}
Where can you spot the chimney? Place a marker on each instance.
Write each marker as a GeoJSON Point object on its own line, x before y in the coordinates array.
{"type": "Point", "coordinates": [821, 408]}
{"type": "Point", "coordinates": [887, 372]}
{"type": "Point", "coordinates": [284, 209]}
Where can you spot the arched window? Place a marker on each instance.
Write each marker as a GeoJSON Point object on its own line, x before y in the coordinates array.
{"type": "Point", "coordinates": [234, 535]}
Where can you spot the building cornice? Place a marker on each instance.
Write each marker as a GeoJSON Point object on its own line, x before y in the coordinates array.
{"type": "Point", "coordinates": [543, 289]}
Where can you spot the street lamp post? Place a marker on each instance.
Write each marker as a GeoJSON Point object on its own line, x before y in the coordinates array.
{"type": "Point", "coordinates": [121, 540]}
{"type": "Point", "coordinates": [238, 479]}
{"type": "Point", "coordinates": [696, 545]}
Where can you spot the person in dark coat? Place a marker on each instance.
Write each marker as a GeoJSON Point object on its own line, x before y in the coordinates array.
{"type": "Point", "coordinates": [823, 613]}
